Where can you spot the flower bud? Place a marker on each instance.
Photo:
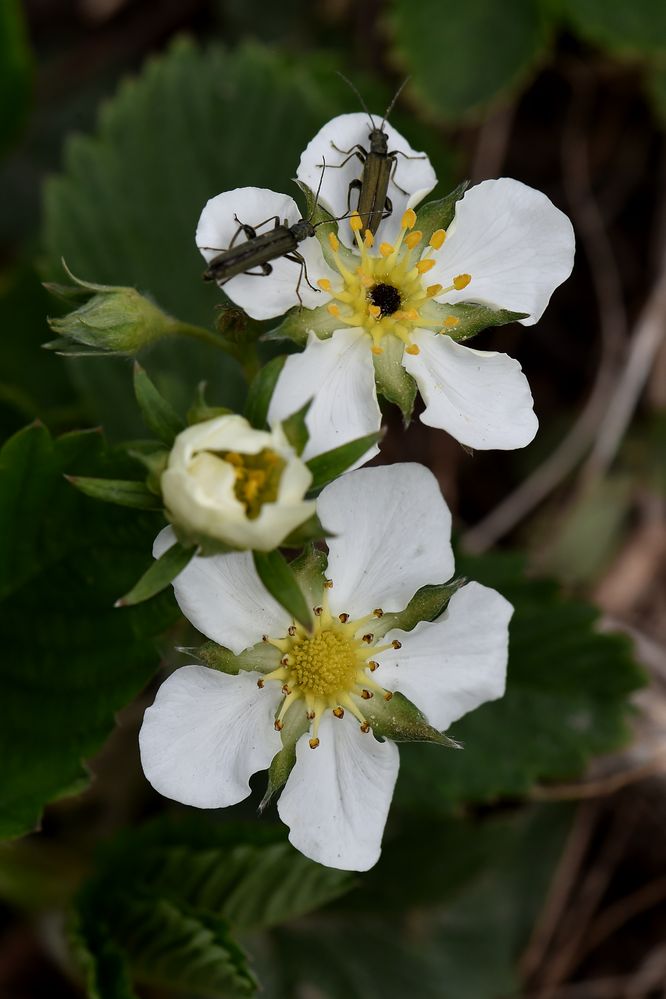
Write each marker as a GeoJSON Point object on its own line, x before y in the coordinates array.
{"type": "Point", "coordinates": [115, 319]}
{"type": "Point", "coordinates": [229, 483]}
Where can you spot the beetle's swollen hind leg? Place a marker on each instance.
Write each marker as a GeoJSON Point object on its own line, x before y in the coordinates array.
{"type": "Point", "coordinates": [355, 185]}
{"type": "Point", "coordinates": [264, 270]}
{"type": "Point", "coordinates": [249, 231]}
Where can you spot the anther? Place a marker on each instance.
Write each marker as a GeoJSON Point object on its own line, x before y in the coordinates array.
{"type": "Point", "coordinates": [365, 728]}
{"type": "Point", "coordinates": [425, 265]}
{"type": "Point", "coordinates": [377, 350]}
{"type": "Point", "coordinates": [372, 666]}
{"type": "Point", "coordinates": [433, 289]}
{"type": "Point", "coordinates": [413, 239]}
{"type": "Point", "coordinates": [437, 238]}
{"type": "Point", "coordinates": [318, 611]}
{"type": "Point", "coordinates": [388, 695]}
{"type": "Point", "coordinates": [378, 612]}
{"type": "Point", "coordinates": [291, 630]}
{"type": "Point", "coordinates": [385, 249]}
{"type": "Point", "coordinates": [278, 725]}
{"type": "Point", "coordinates": [314, 743]}
{"type": "Point", "coordinates": [413, 349]}
{"type": "Point", "coordinates": [396, 644]}
{"type": "Point", "coordinates": [461, 281]}
{"type": "Point", "coordinates": [285, 689]}
{"type": "Point", "coordinates": [328, 584]}
{"type": "Point", "coordinates": [409, 219]}
{"type": "Point", "coordinates": [264, 638]}
{"type": "Point", "coordinates": [334, 242]}
{"type": "Point", "coordinates": [284, 661]}
{"type": "Point", "coordinates": [356, 222]}
{"type": "Point", "coordinates": [343, 618]}
{"type": "Point", "coordinates": [368, 639]}
{"type": "Point", "coordinates": [366, 695]}
{"type": "Point", "coordinates": [260, 684]}
{"type": "Point", "coordinates": [325, 284]}
{"type": "Point", "coordinates": [333, 309]}
{"type": "Point", "coordinates": [374, 311]}
{"type": "Point", "coordinates": [451, 321]}
{"type": "Point", "coordinates": [339, 712]}
{"type": "Point", "coordinates": [311, 715]}
{"type": "Point", "coordinates": [368, 239]}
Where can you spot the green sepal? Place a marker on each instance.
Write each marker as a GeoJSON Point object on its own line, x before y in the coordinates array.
{"type": "Point", "coordinates": [310, 571]}
{"type": "Point", "coordinates": [159, 575]}
{"type": "Point", "coordinates": [472, 319]}
{"type": "Point", "coordinates": [295, 724]}
{"type": "Point", "coordinates": [261, 391]}
{"type": "Point", "coordinates": [159, 415]}
{"type": "Point", "coordinates": [260, 658]}
{"type": "Point", "coordinates": [120, 491]}
{"type": "Point", "coordinates": [154, 459]}
{"type": "Point", "coordinates": [298, 323]}
{"type": "Point", "coordinates": [200, 410]}
{"type": "Point", "coordinates": [439, 214]}
{"type": "Point", "coordinates": [401, 721]}
{"type": "Point", "coordinates": [64, 347]}
{"type": "Point", "coordinates": [277, 576]}
{"type": "Point", "coordinates": [295, 428]}
{"type": "Point", "coordinates": [329, 465]}
{"type": "Point", "coordinates": [393, 382]}
{"type": "Point", "coordinates": [311, 529]}
{"type": "Point", "coordinates": [426, 605]}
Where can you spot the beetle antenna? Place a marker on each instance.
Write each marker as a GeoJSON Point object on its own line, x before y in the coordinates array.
{"type": "Point", "coordinates": [340, 218]}
{"type": "Point", "coordinates": [362, 102]}
{"type": "Point", "coordinates": [395, 97]}
{"type": "Point", "coordinates": [321, 181]}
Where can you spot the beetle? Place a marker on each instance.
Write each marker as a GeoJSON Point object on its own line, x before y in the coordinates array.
{"type": "Point", "coordinates": [258, 250]}
{"type": "Point", "coordinates": [379, 166]}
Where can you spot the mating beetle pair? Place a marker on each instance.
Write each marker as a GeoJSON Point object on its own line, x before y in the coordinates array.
{"type": "Point", "coordinates": [253, 256]}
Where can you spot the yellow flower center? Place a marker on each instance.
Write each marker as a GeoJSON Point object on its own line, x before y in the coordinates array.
{"type": "Point", "coordinates": [386, 295]}
{"type": "Point", "coordinates": [257, 478]}
{"type": "Point", "coordinates": [328, 668]}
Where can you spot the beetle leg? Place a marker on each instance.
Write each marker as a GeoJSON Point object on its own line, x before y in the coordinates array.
{"type": "Point", "coordinates": [388, 208]}
{"type": "Point", "coordinates": [355, 185]}
{"type": "Point", "coordinates": [264, 270]}
{"type": "Point", "coordinates": [399, 152]}
{"type": "Point", "coordinates": [349, 154]}
{"type": "Point", "coordinates": [298, 258]}
{"type": "Point", "coordinates": [392, 177]}
{"type": "Point", "coordinates": [242, 227]}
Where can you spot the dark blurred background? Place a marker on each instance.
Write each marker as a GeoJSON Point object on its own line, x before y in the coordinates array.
{"type": "Point", "coordinates": [567, 96]}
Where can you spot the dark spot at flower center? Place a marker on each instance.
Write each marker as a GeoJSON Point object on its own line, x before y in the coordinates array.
{"type": "Point", "coordinates": [386, 298]}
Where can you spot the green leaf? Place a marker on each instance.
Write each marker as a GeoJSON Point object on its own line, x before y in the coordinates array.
{"type": "Point", "coordinates": [439, 214]}
{"type": "Point", "coordinates": [70, 661]}
{"type": "Point", "coordinates": [625, 29]}
{"type": "Point", "coordinates": [117, 214]}
{"type": "Point", "coordinates": [278, 577]}
{"type": "Point", "coordinates": [426, 605]}
{"type": "Point", "coordinates": [159, 415]}
{"type": "Point", "coordinates": [487, 50]}
{"type": "Point", "coordinates": [15, 72]}
{"type": "Point", "coordinates": [261, 392]}
{"type": "Point", "coordinates": [165, 900]}
{"type": "Point", "coordinates": [566, 700]}
{"type": "Point", "coordinates": [295, 428]}
{"type": "Point", "coordinates": [393, 382]}
{"type": "Point", "coordinates": [329, 465]}
{"type": "Point", "coordinates": [158, 575]}
{"type": "Point", "coordinates": [120, 491]}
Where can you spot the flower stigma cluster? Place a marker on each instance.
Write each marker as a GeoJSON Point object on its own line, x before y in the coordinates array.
{"type": "Point", "coordinates": [387, 294]}
{"type": "Point", "coordinates": [329, 667]}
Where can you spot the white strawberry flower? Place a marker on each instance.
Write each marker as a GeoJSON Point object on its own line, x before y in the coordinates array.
{"type": "Point", "coordinates": [326, 690]}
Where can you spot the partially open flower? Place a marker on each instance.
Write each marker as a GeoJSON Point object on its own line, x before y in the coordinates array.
{"type": "Point", "coordinates": [322, 705]}
{"type": "Point", "coordinates": [233, 484]}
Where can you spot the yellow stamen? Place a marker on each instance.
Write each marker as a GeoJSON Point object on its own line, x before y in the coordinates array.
{"type": "Point", "coordinates": [334, 242]}
{"type": "Point", "coordinates": [375, 311]}
{"type": "Point", "coordinates": [412, 349]}
{"type": "Point", "coordinates": [437, 238]}
{"type": "Point", "coordinates": [409, 219]}
{"type": "Point", "coordinates": [356, 222]}
{"type": "Point", "coordinates": [451, 321]}
{"type": "Point", "coordinates": [333, 309]}
{"type": "Point", "coordinates": [425, 265]}
{"type": "Point", "coordinates": [413, 239]}
{"type": "Point", "coordinates": [376, 350]}
{"type": "Point", "coordinates": [385, 249]}
{"type": "Point", "coordinates": [433, 289]}
{"type": "Point", "coordinates": [368, 239]}
{"type": "Point", "coordinates": [325, 284]}
{"type": "Point", "coordinates": [461, 281]}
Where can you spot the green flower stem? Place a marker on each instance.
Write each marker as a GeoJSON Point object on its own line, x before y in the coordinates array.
{"type": "Point", "coordinates": [245, 353]}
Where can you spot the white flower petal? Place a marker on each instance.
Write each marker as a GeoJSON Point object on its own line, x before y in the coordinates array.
{"type": "Point", "coordinates": [415, 176]}
{"type": "Point", "coordinates": [337, 796]}
{"type": "Point", "coordinates": [339, 375]}
{"type": "Point", "coordinates": [480, 397]}
{"type": "Point", "coordinates": [391, 531]}
{"type": "Point", "coordinates": [224, 598]}
{"type": "Point", "coordinates": [263, 296]}
{"type": "Point", "coordinates": [517, 246]}
{"type": "Point", "coordinates": [207, 733]}
{"type": "Point", "coordinates": [452, 665]}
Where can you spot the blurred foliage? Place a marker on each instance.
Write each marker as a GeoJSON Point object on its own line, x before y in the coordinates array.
{"type": "Point", "coordinates": [15, 73]}
{"type": "Point", "coordinates": [70, 661]}
{"type": "Point", "coordinates": [566, 699]}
